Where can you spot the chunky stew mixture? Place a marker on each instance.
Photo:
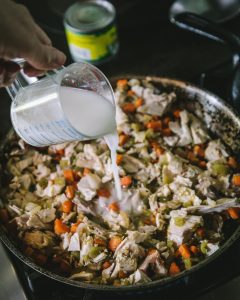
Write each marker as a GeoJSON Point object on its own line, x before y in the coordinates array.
{"type": "Point", "coordinates": [180, 185]}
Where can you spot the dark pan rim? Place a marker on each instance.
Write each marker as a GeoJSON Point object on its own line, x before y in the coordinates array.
{"type": "Point", "coordinates": [157, 284]}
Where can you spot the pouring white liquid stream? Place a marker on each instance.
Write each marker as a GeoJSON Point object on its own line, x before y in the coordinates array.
{"type": "Point", "coordinates": [102, 115]}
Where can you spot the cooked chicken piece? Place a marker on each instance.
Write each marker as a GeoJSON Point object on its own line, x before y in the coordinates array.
{"type": "Point", "coordinates": [132, 164]}
{"type": "Point", "coordinates": [139, 277]}
{"type": "Point", "coordinates": [154, 104]}
{"type": "Point", "coordinates": [38, 239]}
{"type": "Point", "coordinates": [215, 150]}
{"type": "Point", "coordinates": [182, 226]}
{"type": "Point", "coordinates": [74, 244]}
{"type": "Point", "coordinates": [154, 261]}
{"type": "Point", "coordinates": [88, 186]}
{"type": "Point", "coordinates": [221, 205]}
{"type": "Point", "coordinates": [23, 164]}
{"type": "Point", "coordinates": [47, 215]}
{"type": "Point", "coordinates": [84, 276]}
{"type": "Point", "coordinates": [35, 222]}
{"type": "Point", "coordinates": [199, 133]}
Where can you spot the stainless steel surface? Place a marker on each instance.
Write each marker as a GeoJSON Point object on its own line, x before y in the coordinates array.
{"type": "Point", "coordinates": [10, 286]}
{"type": "Point", "coordinates": [215, 10]}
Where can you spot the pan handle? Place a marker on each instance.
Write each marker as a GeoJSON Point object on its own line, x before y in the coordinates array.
{"type": "Point", "coordinates": [204, 27]}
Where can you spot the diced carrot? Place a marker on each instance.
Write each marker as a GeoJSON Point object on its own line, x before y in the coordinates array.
{"type": "Point", "coordinates": [114, 207]}
{"type": "Point", "coordinates": [130, 93]}
{"type": "Point", "coordinates": [4, 218]}
{"type": "Point", "coordinates": [159, 151]}
{"type": "Point", "coordinates": [126, 181]}
{"type": "Point", "coordinates": [166, 121]}
{"type": "Point", "coordinates": [60, 152]}
{"type": "Point", "coordinates": [184, 251]}
{"type": "Point", "coordinates": [199, 151]}
{"type": "Point", "coordinates": [150, 220]}
{"type": "Point", "coordinates": [194, 249]}
{"type": "Point", "coordinates": [138, 102]}
{"type": "Point", "coordinates": [60, 227]}
{"type": "Point", "coordinates": [99, 241]}
{"type": "Point", "coordinates": [232, 162]}
{"type": "Point", "coordinates": [119, 159]}
{"type": "Point", "coordinates": [202, 164]}
{"type": "Point", "coordinates": [236, 179]}
{"type": "Point", "coordinates": [234, 212]}
{"type": "Point", "coordinates": [123, 139]}
{"type": "Point", "coordinates": [103, 193]}
{"type": "Point", "coordinates": [67, 206]}
{"type": "Point", "coordinates": [176, 113]}
{"type": "Point", "coordinates": [106, 265]}
{"type": "Point", "coordinates": [151, 251]}
{"type": "Point", "coordinates": [174, 269]}
{"type": "Point", "coordinates": [167, 132]}
{"type": "Point", "coordinates": [41, 259]}
{"type": "Point", "coordinates": [191, 156]}
{"type": "Point", "coordinates": [122, 274]}
{"type": "Point", "coordinates": [74, 226]}
{"type": "Point", "coordinates": [155, 125]}
{"type": "Point", "coordinates": [69, 175]}
{"type": "Point", "coordinates": [86, 171]}
{"type": "Point", "coordinates": [70, 192]}
{"type": "Point", "coordinates": [114, 242]}
{"type": "Point", "coordinates": [128, 107]}
{"type": "Point", "coordinates": [200, 232]}
{"type": "Point", "coordinates": [122, 83]}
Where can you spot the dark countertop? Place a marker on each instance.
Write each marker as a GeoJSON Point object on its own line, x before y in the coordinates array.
{"type": "Point", "coordinates": [149, 43]}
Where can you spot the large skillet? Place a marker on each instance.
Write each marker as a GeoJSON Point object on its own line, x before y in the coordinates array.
{"type": "Point", "coordinates": [220, 118]}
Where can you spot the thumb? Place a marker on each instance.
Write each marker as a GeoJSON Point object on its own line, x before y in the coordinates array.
{"type": "Point", "coordinates": [45, 57]}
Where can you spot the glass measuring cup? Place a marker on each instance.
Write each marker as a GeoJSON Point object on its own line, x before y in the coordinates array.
{"type": "Point", "coordinates": [46, 112]}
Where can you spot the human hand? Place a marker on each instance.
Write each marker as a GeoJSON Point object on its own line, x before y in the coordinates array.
{"type": "Point", "coordinates": [22, 37]}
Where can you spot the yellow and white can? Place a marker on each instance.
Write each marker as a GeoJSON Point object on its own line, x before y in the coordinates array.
{"type": "Point", "coordinates": [91, 31]}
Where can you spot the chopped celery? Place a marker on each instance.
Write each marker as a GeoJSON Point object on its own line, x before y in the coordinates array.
{"type": "Point", "coordinates": [169, 244]}
{"type": "Point", "coordinates": [219, 169]}
{"type": "Point", "coordinates": [203, 247]}
{"type": "Point", "coordinates": [187, 204]}
{"type": "Point", "coordinates": [149, 134]}
{"type": "Point", "coordinates": [166, 176]}
{"type": "Point", "coordinates": [136, 127]}
{"type": "Point", "coordinates": [147, 118]}
{"type": "Point", "coordinates": [187, 263]}
{"type": "Point", "coordinates": [179, 221]}
{"type": "Point", "coordinates": [43, 182]}
{"type": "Point", "coordinates": [94, 251]}
{"type": "Point", "coordinates": [63, 163]}
{"type": "Point", "coordinates": [59, 181]}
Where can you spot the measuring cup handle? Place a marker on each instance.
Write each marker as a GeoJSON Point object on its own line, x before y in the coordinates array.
{"type": "Point", "coordinates": [23, 80]}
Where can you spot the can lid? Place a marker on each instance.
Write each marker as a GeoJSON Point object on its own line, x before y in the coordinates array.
{"type": "Point", "coordinates": [89, 15]}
